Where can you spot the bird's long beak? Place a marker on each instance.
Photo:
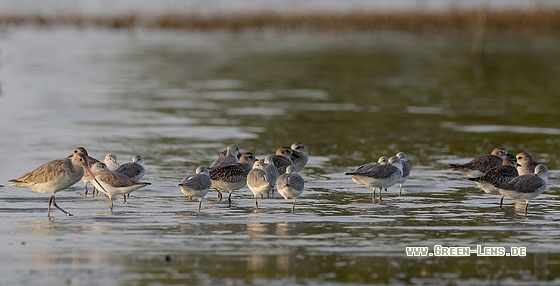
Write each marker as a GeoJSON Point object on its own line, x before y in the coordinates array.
{"type": "Point", "coordinates": [93, 177]}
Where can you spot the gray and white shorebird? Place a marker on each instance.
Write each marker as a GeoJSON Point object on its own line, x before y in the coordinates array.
{"type": "Point", "coordinates": [230, 157]}
{"type": "Point", "coordinates": [258, 181]}
{"type": "Point", "coordinates": [56, 176]}
{"type": "Point", "coordinates": [290, 185]}
{"type": "Point", "coordinates": [525, 163]}
{"type": "Point", "coordinates": [135, 170]}
{"type": "Point", "coordinates": [382, 176]}
{"type": "Point", "coordinates": [232, 177]}
{"type": "Point", "coordinates": [497, 176]}
{"type": "Point", "coordinates": [271, 171]}
{"type": "Point", "coordinates": [111, 162]}
{"type": "Point", "coordinates": [526, 187]}
{"type": "Point", "coordinates": [196, 185]}
{"type": "Point", "coordinates": [282, 158]}
{"type": "Point", "coordinates": [405, 170]}
{"type": "Point", "coordinates": [383, 160]}
{"type": "Point", "coordinates": [113, 183]}
{"type": "Point", "coordinates": [299, 155]}
{"type": "Point", "coordinates": [480, 165]}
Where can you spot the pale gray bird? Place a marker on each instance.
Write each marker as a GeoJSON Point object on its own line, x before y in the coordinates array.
{"type": "Point", "coordinates": [111, 162]}
{"type": "Point", "coordinates": [271, 171]}
{"type": "Point", "coordinates": [196, 185]}
{"type": "Point", "coordinates": [405, 170]}
{"type": "Point", "coordinates": [480, 165]}
{"type": "Point", "coordinates": [258, 182]}
{"type": "Point", "coordinates": [382, 176]}
{"type": "Point", "coordinates": [232, 177]}
{"type": "Point", "coordinates": [526, 187]}
{"type": "Point", "coordinates": [299, 155]}
{"type": "Point", "coordinates": [290, 185]}
{"type": "Point", "coordinates": [231, 157]}
{"type": "Point", "coordinates": [135, 169]}
{"type": "Point", "coordinates": [383, 160]}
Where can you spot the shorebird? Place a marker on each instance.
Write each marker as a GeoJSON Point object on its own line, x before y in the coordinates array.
{"type": "Point", "coordinates": [134, 169]}
{"type": "Point", "coordinates": [196, 185]}
{"type": "Point", "coordinates": [382, 176]}
{"type": "Point", "coordinates": [230, 157]}
{"type": "Point", "coordinates": [281, 159]}
{"type": "Point", "coordinates": [405, 170]}
{"type": "Point", "coordinates": [111, 162]}
{"type": "Point", "coordinates": [299, 155]}
{"type": "Point", "coordinates": [258, 182]}
{"type": "Point", "coordinates": [526, 187]}
{"type": "Point", "coordinates": [232, 177]}
{"type": "Point", "coordinates": [383, 160]}
{"type": "Point", "coordinates": [290, 185]}
{"type": "Point", "coordinates": [90, 161]}
{"type": "Point", "coordinates": [526, 164]}
{"type": "Point", "coordinates": [480, 165]}
{"type": "Point", "coordinates": [113, 183]}
{"type": "Point", "coordinates": [55, 176]}
{"type": "Point", "coordinates": [271, 171]}
{"type": "Point", "coordinates": [497, 176]}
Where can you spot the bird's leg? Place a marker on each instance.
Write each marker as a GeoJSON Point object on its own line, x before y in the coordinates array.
{"type": "Point", "coordinates": [380, 199]}
{"type": "Point", "coordinates": [54, 204]}
{"type": "Point", "coordinates": [257, 203]}
{"type": "Point", "coordinates": [219, 195]}
{"type": "Point", "coordinates": [501, 201]}
{"type": "Point", "coordinates": [400, 191]}
{"type": "Point", "coordinates": [526, 207]}
{"type": "Point", "coordinates": [124, 198]}
{"type": "Point", "coordinates": [85, 185]}
{"type": "Point", "coordinates": [199, 204]}
{"type": "Point", "coordinates": [294, 205]}
{"type": "Point", "coordinates": [49, 209]}
{"type": "Point", "coordinates": [229, 200]}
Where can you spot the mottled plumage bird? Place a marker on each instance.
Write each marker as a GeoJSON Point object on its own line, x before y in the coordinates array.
{"type": "Point", "coordinates": [497, 176]}
{"type": "Point", "coordinates": [282, 158]}
{"type": "Point", "coordinates": [480, 165]}
{"type": "Point", "coordinates": [232, 177]}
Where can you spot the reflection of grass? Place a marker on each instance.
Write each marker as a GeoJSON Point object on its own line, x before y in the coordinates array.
{"type": "Point", "coordinates": [538, 20]}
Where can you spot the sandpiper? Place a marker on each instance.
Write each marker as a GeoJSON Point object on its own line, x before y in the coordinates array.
{"type": "Point", "coordinates": [281, 159]}
{"type": "Point", "coordinates": [299, 155]}
{"type": "Point", "coordinates": [111, 162]}
{"type": "Point", "coordinates": [480, 165]}
{"type": "Point", "coordinates": [231, 157]}
{"type": "Point", "coordinates": [196, 185]}
{"type": "Point", "coordinates": [258, 182]}
{"type": "Point", "coordinates": [90, 161]}
{"type": "Point", "coordinates": [497, 176]}
{"type": "Point", "coordinates": [113, 183]}
{"type": "Point", "coordinates": [135, 169]}
{"type": "Point", "coordinates": [525, 163]}
{"type": "Point", "coordinates": [382, 176]}
{"type": "Point", "coordinates": [271, 172]}
{"type": "Point", "coordinates": [526, 187]}
{"type": "Point", "coordinates": [383, 160]}
{"type": "Point", "coordinates": [55, 176]}
{"type": "Point", "coordinates": [290, 185]}
{"type": "Point", "coordinates": [232, 177]}
{"type": "Point", "coordinates": [405, 170]}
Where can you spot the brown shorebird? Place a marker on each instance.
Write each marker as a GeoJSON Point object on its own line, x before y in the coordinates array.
{"type": "Point", "coordinates": [290, 185]}
{"type": "Point", "coordinates": [55, 176]}
{"type": "Point", "coordinates": [90, 161]}
{"type": "Point", "coordinates": [282, 158]}
{"type": "Point", "coordinates": [480, 165]}
{"type": "Point", "coordinates": [113, 183]}
{"type": "Point", "coordinates": [525, 163]}
{"type": "Point", "coordinates": [230, 157]}
{"type": "Point", "coordinates": [196, 185]}
{"type": "Point", "coordinates": [232, 177]}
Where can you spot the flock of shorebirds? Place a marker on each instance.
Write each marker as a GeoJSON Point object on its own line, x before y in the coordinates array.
{"type": "Point", "coordinates": [516, 177]}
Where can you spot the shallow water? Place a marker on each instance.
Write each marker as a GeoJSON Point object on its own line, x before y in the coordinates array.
{"type": "Point", "coordinates": [178, 98]}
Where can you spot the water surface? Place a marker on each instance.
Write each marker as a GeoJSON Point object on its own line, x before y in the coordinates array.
{"type": "Point", "coordinates": [178, 98]}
